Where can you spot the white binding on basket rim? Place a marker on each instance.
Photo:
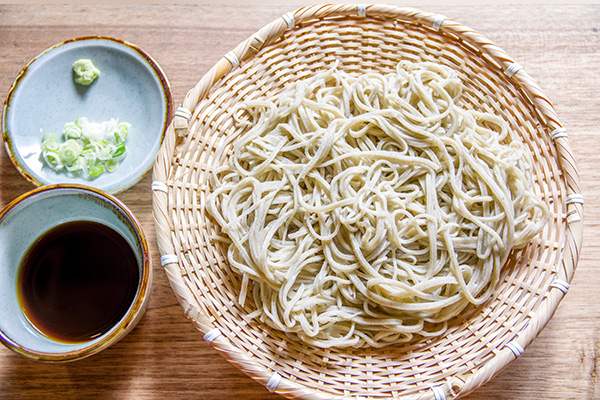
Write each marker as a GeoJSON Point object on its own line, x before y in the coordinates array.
{"type": "Point", "coordinates": [438, 393]}
{"type": "Point", "coordinates": [558, 133]}
{"type": "Point", "coordinates": [289, 19]}
{"type": "Point", "coordinates": [168, 259]}
{"type": "Point", "coordinates": [361, 9]}
{"type": "Point", "coordinates": [273, 382]}
{"type": "Point", "coordinates": [232, 58]}
{"type": "Point", "coordinates": [560, 285]}
{"type": "Point", "coordinates": [575, 198]}
{"type": "Point", "coordinates": [183, 113]}
{"type": "Point", "coordinates": [438, 20]}
{"type": "Point", "coordinates": [515, 347]}
{"type": "Point", "coordinates": [212, 335]}
{"type": "Point", "coordinates": [513, 69]}
{"type": "Point", "coordinates": [160, 186]}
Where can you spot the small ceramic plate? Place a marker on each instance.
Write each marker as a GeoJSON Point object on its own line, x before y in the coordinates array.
{"type": "Point", "coordinates": [131, 88]}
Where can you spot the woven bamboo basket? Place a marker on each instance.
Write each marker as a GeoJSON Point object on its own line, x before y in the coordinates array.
{"type": "Point", "coordinates": [364, 38]}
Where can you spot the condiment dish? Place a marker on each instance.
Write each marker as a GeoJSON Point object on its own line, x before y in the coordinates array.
{"type": "Point", "coordinates": [22, 223]}
{"type": "Point", "coordinates": [44, 97]}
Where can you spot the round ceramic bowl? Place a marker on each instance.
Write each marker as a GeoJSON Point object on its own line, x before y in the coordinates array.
{"type": "Point", "coordinates": [22, 223]}
{"type": "Point", "coordinates": [44, 97]}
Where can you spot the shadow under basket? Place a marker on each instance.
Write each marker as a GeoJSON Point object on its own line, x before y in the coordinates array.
{"type": "Point", "coordinates": [371, 38]}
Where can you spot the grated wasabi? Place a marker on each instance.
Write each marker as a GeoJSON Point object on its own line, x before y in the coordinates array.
{"type": "Point", "coordinates": [85, 72]}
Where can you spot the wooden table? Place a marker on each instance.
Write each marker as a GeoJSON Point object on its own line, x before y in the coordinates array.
{"type": "Point", "coordinates": [164, 356]}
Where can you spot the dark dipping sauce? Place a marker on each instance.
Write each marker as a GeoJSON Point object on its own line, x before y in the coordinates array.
{"type": "Point", "coordinates": [77, 281]}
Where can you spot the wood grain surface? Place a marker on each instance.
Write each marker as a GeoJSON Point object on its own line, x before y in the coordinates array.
{"type": "Point", "coordinates": [164, 356]}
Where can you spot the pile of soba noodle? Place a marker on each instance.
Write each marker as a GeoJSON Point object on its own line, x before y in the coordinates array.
{"type": "Point", "coordinates": [364, 210]}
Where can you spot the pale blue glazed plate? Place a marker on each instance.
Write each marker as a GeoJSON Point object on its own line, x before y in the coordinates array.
{"type": "Point", "coordinates": [131, 88]}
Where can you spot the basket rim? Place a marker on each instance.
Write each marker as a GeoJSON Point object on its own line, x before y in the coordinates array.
{"type": "Point", "coordinates": [179, 128]}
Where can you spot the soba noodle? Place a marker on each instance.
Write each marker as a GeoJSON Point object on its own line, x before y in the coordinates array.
{"type": "Point", "coordinates": [363, 210]}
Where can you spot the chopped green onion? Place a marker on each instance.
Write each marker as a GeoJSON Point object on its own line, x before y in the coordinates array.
{"type": "Point", "coordinates": [105, 153]}
{"type": "Point", "coordinates": [52, 158]}
{"type": "Point", "coordinates": [81, 121]}
{"type": "Point", "coordinates": [120, 150]}
{"type": "Point", "coordinates": [71, 131]}
{"type": "Point", "coordinates": [50, 145]}
{"type": "Point", "coordinates": [70, 150]}
{"type": "Point", "coordinates": [111, 165]}
{"type": "Point", "coordinates": [95, 170]}
{"type": "Point", "coordinates": [49, 137]}
{"type": "Point", "coordinates": [78, 165]}
{"type": "Point", "coordinates": [122, 131]}
{"type": "Point", "coordinates": [90, 148]}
